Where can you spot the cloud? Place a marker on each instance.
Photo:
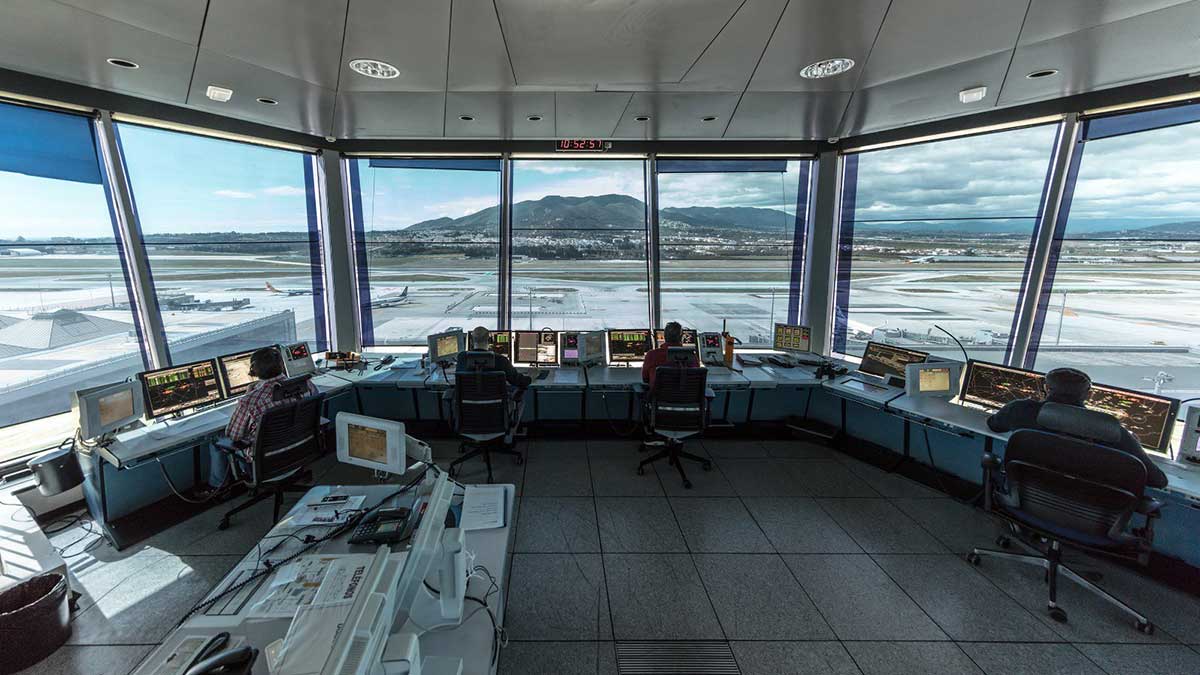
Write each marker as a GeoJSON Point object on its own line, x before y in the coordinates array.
{"type": "Point", "coordinates": [550, 166]}
{"type": "Point", "coordinates": [233, 194]}
{"type": "Point", "coordinates": [284, 191]}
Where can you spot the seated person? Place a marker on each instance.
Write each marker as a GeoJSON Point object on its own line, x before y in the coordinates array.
{"type": "Point", "coordinates": [1069, 386]}
{"type": "Point", "coordinates": [672, 337]}
{"type": "Point", "coordinates": [480, 344]}
{"type": "Point", "coordinates": [267, 365]}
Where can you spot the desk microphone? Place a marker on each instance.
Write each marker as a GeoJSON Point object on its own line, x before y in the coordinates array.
{"type": "Point", "coordinates": [964, 351]}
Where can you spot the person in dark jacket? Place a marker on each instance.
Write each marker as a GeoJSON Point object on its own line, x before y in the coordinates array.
{"type": "Point", "coordinates": [1069, 387]}
{"type": "Point", "coordinates": [672, 337]}
{"type": "Point", "coordinates": [480, 343]}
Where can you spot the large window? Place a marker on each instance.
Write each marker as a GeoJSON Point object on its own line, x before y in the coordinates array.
{"type": "Point", "coordinates": [579, 245]}
{"type": "Point", "coordinates": [232, 238]}
{"type": "Point", "coordinates": [728, 246]}
{"type": "Point", "coordinates": [1123, 298]}
{"type": "Point", "coordinates": [65, 316]}
{"type": "Point", "coordinates": [427, 243]}
{"type": "Point", "coordinates": [939, 234]}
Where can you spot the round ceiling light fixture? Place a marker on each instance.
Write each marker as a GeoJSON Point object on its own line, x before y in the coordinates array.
{"type": "Point", "coordinates": [466, 118]}
{"type": "Point", "coordinates": [642, 118]}
{"type": "Point", "coordinates": [826, 68]}
{"type": "Point", "coordinates": [123, 63]}
{"type": "Point", "coordinates": [1044, 72]}
{"type": "Point", "coordinates": [267, 101]}
{"type": "Point", "coordinates": [375, 68]}
{"type": "Point", "coordinates": [534, 118]}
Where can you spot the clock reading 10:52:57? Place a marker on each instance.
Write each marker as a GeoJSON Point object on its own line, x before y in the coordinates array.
{"type": "Point", "coordinates": [582, 145]}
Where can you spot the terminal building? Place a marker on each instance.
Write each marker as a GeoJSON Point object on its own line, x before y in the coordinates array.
{"type": "Point", "coordinates": [617, 336]}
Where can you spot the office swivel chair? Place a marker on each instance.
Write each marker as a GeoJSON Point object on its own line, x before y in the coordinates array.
{"type": "Point", "coordinates": [1067, 485]}
{"type": "Point", "coordinates": [676, 408]}
{"type": "Point", "coordinates": [483, 413]}
{"type": "Point", "coordinates": [289, 438]}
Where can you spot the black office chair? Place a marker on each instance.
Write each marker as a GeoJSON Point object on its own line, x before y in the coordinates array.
{"type": "Point", "coordinates": [290, 436]}
{"type": "Point", "coordinates": [483, 415]}
{"type": "Point", "coordinates": [1068, 486]}
{"type": "Point", "coordinates": [676, 408]}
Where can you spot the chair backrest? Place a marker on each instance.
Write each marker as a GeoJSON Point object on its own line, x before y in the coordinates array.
{"type": "Point", "coordinates": [289, 437]}
{"type": "Point", "coordinates": [677, 401]}
{"type": "Point", "coordinates": [296, 387]}
{"type": "Point", "coordinates": [1073, 482]}
{"type": "Point", "coordinates": [481, 404]}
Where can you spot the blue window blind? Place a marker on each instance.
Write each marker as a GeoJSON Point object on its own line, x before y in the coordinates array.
{"type": "Point", "coordinates": [47, 144]}
{"type": "Point", "coordinates": [435, 163]}
{"type": "Point", "coordinates": [722, 165]}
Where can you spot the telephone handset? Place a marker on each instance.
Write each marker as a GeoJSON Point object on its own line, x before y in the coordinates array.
{"type": "Point", "coordinates": [238, 661]}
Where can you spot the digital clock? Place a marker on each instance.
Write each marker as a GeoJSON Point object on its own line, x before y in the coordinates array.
{"type": "Point", "coordinates": [582, 145]}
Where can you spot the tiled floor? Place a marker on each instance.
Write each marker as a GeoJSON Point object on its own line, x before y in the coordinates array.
{"type": "Point", "coordinates": [802, 559]}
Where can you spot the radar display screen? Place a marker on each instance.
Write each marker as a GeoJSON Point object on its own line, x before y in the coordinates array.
{"type": "Point", "coordinates": [235, 373]}
{"type": "Point", "coordinates": [1148, 417]}
{"type": "Point", "coordinates": [299, 351]}
{"type": "Point", "coordinates": [116, 406]}
{"type": "Point", "coordinates": [628, 345]}
{"type": "Point", "coordinates": [789, 338]}
{"type": "Point", "coordinates": [884, 360]}
{"type": "Point", "coordinates": [178, 388]}
{"type": "Point", "coordinates": [570, 346]}
{"type": "Point", "coordinates": [712, 340]}
{"type": "Point", "coordinates": [500, 342]}
{"type": "Point", "coordinates": [992, 385]}
{"type": "Point", "coordinates": [689, 338]}
{"type": "Point", "coordinates": [536, 348]}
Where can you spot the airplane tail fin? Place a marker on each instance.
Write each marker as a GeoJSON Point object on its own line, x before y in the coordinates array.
{"type": "Point", "coordinates": [272, 288]}
{"type": "Point", "coordinates": [404, 293]}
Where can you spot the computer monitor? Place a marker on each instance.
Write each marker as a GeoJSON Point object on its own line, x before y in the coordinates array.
{"type": "Point", "coordinates": [234, 370]}
{"type": "Point", "coordinates": [591, 349]}
{"type": "Point", "coordinates": [689, 338]}
{"type": "Point", "coordinates": [991, 385]}
{"type": "Point", "coordinates": [106, 408]}
{"type": "Point", "coordinates": [500, 342]}
{"type": "Point", "coordinates": [170, 390]}
{"type": "Point", "coordinates": [1148, 417]}
{"type": "Point", "coordinates": [535, 348]}
{"type": "Point", "coordinates": [888, 360]}
{"type": "Point", "coordinates": [938, 379]}
{"type": "Point", "coordinates": [297, 359]}
{"type": "Point", "coordinates": [792, 338]}
{"type": "Point", "coordinates": [444, 347]}
{"type": "Point", "coordinates": [628, 345]}
{"type": "Point", "coordinates": [370, 442]}
{"type": "Point", "coordinates": [570, 347]}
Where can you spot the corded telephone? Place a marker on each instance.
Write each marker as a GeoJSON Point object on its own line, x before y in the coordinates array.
{"type": "Point", "coordinates": [211, 660]}
{"type": "Point", "coordinates": [385, 526]}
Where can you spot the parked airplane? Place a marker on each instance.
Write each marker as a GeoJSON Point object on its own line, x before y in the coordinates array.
{"type": "Point", "coordinates": [391, 299]}
{"type": "Point", "coordinates": [290, 292]}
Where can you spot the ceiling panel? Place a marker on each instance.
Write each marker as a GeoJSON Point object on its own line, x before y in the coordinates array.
{"type": "Point", "coordinates": [499, 115]}
{"type": "Point", "coordinates": [923, 35]}
{"type": "Point", "coordinates": [729, 61]}
{"type": "Point", "coordinates": [575, 42]}
{"type": "Point", "coordinates": [177, 19]}
{"type": "Point", "coordinates": [805, 115]}
{"type": "Point", "coordinates": [588, 114]}
{"type": "Point", "coordinates": [478, 57]}
{"type": "Point", "coordinates": [813, 30]}
{"type": "Point", "coordinates": [54, 40]}
{"type": "Point", "coordinates": [1109, 55]}
{"type": "Point", "coordinates": [676, 115]}
{"type": "Point", "coordinates": [1052, 18]}
{"type": "Point", "coordinates": [380, 114]}
{"type": "Point", "coordinates": [413, 36]}
{"type": "Point", "coordinates": [303, 106]}
{"type": "Point", "coordinates": [298, 39]}
{"type": "Point", "coordinates": [924, 97]}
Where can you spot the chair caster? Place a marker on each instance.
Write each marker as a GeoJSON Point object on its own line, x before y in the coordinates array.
{"type": "Point", "coordinates": [973, 558]}
{"type": "Point", "coordinates": [224, 524]}
{"type": "Point", "coordinates": [687, 485]}
{"type": "Point", "coordinates": [1058, 614]}
{"type": "Point", "coordinates": [1145, 627]}
{"type": "Point", "coordinates": [707, 466]}
{"type": "Point", "coordinates": [1003, 541]}
{"type": "Point", "coordinates": [641, 471]}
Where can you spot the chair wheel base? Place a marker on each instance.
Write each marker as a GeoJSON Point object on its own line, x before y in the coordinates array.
{"type": "Point", "coordinates": [223, 525]}
{"type": "Point", "coordinates": [973, 558]}
{"type": "Point", "coordinates": [519, 459]}
{"type": "Point", "coordinates": [641, 471]}
{"type": "Point", "coordinates": [1058, 614]}
{"type": "Point", "coordinates": [1003, 541]}
{"type": "Point", "coordinates": [1145, 627]}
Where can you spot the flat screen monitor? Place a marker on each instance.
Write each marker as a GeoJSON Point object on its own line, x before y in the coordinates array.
{"type": "Point", "coordinates": [592, 348]}
{"type": "Point", "coordinates": [297, 359]}
{"type": "Point", "coordinates": [791, 338]}
{"type": "Point", "coordinates": [992, 385]}
{"type": "Point", "coordinates": [444, 347]}
{"type": "Point", "coordinates": [628, 345]}
{"type": "Point", "coordinates": [888, 360]}
{"type": "Point", "coordinates": [234, 370]}
{"type": "Point", "coordinates": [170, 390]}
{"type": "Point", "coordinates": [570, 346]}
{"type": "Point", "coordinates": [536, 348]}
{"type": "Point", "coordinates": [370, 442]}
{"type": "Point", "coordinates": [933, 378]}
{"type": "Point", "coordinates": [107, 408]}
{"type": "Point", "coordinates": [500, 342]}
{"type": "Point", "coordinates": [689, 338]}
{"type": "Point", "coordinates": [1147, 416]}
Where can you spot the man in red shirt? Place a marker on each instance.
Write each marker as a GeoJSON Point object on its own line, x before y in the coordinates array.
{"type": "Point", "coordinates": [672, 337]}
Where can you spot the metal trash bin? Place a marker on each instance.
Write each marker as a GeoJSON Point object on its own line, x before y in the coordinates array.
{"type": "Point", "coordinates": [35, 620]}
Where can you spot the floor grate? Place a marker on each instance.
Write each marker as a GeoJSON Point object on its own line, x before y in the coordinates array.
{"type": "Point", "coordinates": [676, 658]}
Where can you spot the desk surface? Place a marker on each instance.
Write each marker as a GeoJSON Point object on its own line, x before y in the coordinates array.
{"type": "Point", "coordinates": [855, 389]}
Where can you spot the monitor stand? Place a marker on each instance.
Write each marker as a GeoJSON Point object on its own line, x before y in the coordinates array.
{"type": "Point", "coordinates": [431, 611]}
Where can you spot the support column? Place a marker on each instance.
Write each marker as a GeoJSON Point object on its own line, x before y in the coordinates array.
{"type": "Point", "coordinates": [504, 282]}
{"type": "Point", "coordinates": [820, 253]}
{"type": "Point", "coordinates": [653, 256]}
{"type": "Point", "coordinates": [341, 287]}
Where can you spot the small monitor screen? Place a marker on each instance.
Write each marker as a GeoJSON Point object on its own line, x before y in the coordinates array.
{"type": "Point", "coordinates": [500, 342]}
{"type": "Point", "coordinates": [446, 345]}
{"type": "Point", "coordinates": [570, 346]}
{"type": "Point", "coordinates": [115, 407]}
{"type": "Point", "coordinates": [235, 373]}
{"type": "Point", "coordinates": [299, 351]}
{"type": "Point", "coordinates": [593, 347]}
{"type": "Point", "coordinates": [992, 385]}
{"type": "Point", "coordinates": [367, 443]}
{"type": "Point", "coordinates": [178, 388]}
{"type": "Point", "coordinates": [689, 338]}
{"type": "Point", "coordinates": [1148, 417]}
{"type": "Point", "coordinates": [628, 345]}
{"type": "Point", "coordinates": [536, 347]}
{"type": "Point", "coordinates": [712, 341]}
{"type": "Point", "coordinates": [789, 338]}
{"type": "Point", "coordinates": [933, 380]}
{"type": "Point", "coordinates": [887, 360]}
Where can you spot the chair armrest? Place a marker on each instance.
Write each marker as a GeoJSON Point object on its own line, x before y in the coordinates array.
{"type": "Point", "coordinates": [989, 461]}
{"type": "Point", "coordinates": [709, 393]}
{"type": "Point", "coordinates": [1150, 507]}
{"type": "Point", "coordinates": [226, 444]}
{"type": "Point", "coordinates": [640, 388]}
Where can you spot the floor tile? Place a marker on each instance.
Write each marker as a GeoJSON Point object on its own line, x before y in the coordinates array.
{"type": "Point", "coordinates": [557, 596]}
{"type": "Point", "coordinates": [891, 485]}
{"type": "Point", "coordinates": [756, 598]}
{"type": "Point", "coordinates": [959, 527]}
{"type": "Point", "coordinates": [905, 658]}
{"type": "Point", "coordinates": [828, 478]}
{"type": "Point", "coordinates": [556, 449]}
{"type": "Point", "coordinates": [658, 597]}
{"type": "Point", "coordinates": [799, 525]}
{"type": "Point", "coordinates": [719, 525]}
{"type": "Point", "coordinates": [760, 478]}
{"type": "Point", "coordinates": [638, 525]}
{"type": "Point", "coordinates": [613, 448]}
{"type": "Point", "coordinates": [794, 448]}
{"type": "Point", "coordinates": [1015, 658]}
{"type": "Point", "coordinates": [879, 527]}
{"type": "Point", "coordinates": [710, 483]}
{"type": "Point", "coordinates": [962, 602]}
{"type": "Point", "coordinates": [793, 658]}
{"type": "Point", "coordinates": [1169, 609]}
{"type": "Point", "coordinates": [557, 478]}
{"type": "Point", "coordinates": [557, 525]}
{"type": "Point", "coordinates": [99, 571]}
{"type": "Point", "coordinates": [860, 601]}
{"type": "Point", "coordinates": [1144, 659]}
{"type": "Point", "coordinates": [99, 660]}
{"type": "Point", "coordinates": [619, 478]}
{"type": "Point", "coordinates": [505, 470]}
{"type": "Point", "coordinates": [558, 658]}
{"type": "Point", "coordinates": [734, 447]}
{"type": "Point", "coordinates": [143, 609]}
{"type": "Point", "coordinates": [199, 535]}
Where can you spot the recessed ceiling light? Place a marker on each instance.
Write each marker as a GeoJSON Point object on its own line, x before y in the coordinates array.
{"type": "Point", "coordinates": [972, 95]}
{"type": "Point", "coordinates": [534, 118]}
{"type": "Point", "coordinates": [266, 101]}
{"type": "Point", "coordinates": [375, 68]}
{"type": "Point", "coordinates": [123, 63]}
{"type": "Point", "coordinates": [467, 118]}
{"type": "Point", "coordinates": [218, 94]}
{"type": "Point", "coordinates": [826, 68]}
{"type": "Point", "coordinates": [1044, 72]}
{"type": "Point", "coordinates": [709, 118]}
{"type": "Point", "coordinates": [642, 118]}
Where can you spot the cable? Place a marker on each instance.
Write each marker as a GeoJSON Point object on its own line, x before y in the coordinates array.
{"type": "Point", "coordinates": [960, 346]}
{"type": "Point", "coordinates": [171, 484]}
{"type": "Point", "coordinates": [608, 417]}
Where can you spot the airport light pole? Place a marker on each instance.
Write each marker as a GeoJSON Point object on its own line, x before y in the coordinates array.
{"type": "Point", "coordinates": [1062, 311]}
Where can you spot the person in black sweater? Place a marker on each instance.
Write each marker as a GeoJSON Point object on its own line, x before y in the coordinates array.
{"type": "Point", "coordinates": [481, 345]}
{"type": "Point", "coordinates": [1069, 386]}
